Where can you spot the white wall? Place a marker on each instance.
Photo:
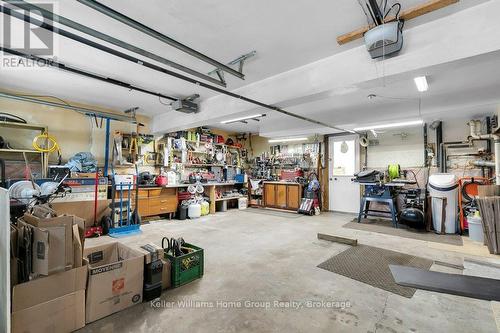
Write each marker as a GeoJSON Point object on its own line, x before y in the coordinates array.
{"type": "Point", "coordinates": [4, 261]}
{"type": "Point", "coordinates": [408, 152]}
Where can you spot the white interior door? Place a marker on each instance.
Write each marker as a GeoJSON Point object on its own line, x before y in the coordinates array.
{"type": "Point", "coordinates": [343, 159]}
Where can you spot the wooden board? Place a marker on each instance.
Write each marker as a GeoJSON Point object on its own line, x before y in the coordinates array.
{"type": "Point", "coordinates": [484, 191]}
{"type": "Point", "coordinates": [407, 14]}
{"type": "Point", "coordinates": [454, 284]}
{"type": "Point", "coordinates": [338, 239]}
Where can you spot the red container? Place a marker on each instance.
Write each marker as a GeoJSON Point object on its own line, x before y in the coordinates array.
{"type": "Point", "coordinates": [161, 180]}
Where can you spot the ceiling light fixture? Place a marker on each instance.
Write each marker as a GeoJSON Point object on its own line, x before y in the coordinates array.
{"type": "Point", "coordinates": [401, 124]}
{"type": "Point", "coordinates": [242, 118]}
{"type": "Point", "coordinates": [287, 140]}
{"type": "Point", "coordinates": [421, 83]}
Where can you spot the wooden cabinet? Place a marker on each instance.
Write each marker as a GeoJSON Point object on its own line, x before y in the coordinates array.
{"type": "Point", "coordinates": [281, 191]}
{"type": "Point", "coordinates": [162, 201]}
{"type": "Point", "coordinates": [154, 201]}
{"type": "Point", "coordinates": [293, 196]}
{"type": "Point", "coordinates": [282, 195]}
{"type": "Point", "coordinates": [269, 195]}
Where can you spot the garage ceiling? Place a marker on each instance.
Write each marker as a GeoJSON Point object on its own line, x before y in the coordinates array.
{"type": "Point", "coordinates": [286, 35]}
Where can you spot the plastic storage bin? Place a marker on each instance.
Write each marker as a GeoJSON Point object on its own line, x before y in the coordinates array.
{"type": "Point", "coordinates": [475, 228]}
{"type": "Point", "coordinates": [444, 185]}
{"type": "Point", "coordinates": [188, 267]}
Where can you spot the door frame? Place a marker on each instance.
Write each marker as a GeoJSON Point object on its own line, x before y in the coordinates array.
{"type": "Point", "coordinates": [326, 170]}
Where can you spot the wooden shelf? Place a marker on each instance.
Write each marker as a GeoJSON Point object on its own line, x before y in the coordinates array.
{"type": "Point", "coordinates": [230, 198]}
{"type": "Point", "coordinates": [208, 165]}
{"type": "Point", "coordinates": [20, 151]}
{"type": "Point", "coordinates": [23, 126]}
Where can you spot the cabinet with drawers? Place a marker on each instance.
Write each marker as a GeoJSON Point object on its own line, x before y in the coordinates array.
{"type": "Point", "coordinates": [155, 201]}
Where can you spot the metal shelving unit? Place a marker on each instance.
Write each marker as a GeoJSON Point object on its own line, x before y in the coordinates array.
{"type": "Point", "coordinates": [44, 157]}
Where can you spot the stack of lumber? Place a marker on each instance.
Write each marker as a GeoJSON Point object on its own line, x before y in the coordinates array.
{"type": "Point", "coordinates": [489, 207]}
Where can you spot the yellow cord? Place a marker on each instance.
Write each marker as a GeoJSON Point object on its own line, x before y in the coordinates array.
{"type": "Point", "coordinates": [52, 145]}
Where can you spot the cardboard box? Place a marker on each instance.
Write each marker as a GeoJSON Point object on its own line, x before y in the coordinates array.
{"type": "Point", "coordinates": [13, 255]}
{"type": "Point", "coordinates": [115, 279]}
{"type": "Point", "coordinates": [84, 209]}
{"type": "Point", "coordinates": [66, 221]}
{"type": "Point", "coordinates": [48, 249]}
{"type": "Point", "coordinates": [55, 303]}
{"type": "Point", "coordinates": [166, 278]}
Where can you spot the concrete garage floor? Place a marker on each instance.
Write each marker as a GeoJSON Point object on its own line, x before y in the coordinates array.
{"type": "Point", "coordinates": [255, 258]}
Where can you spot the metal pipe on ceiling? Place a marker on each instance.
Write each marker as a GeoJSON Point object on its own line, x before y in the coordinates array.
{"type": "Point", "coordinates": [158, 35]}
{"type": "Point", "coordinates": [107, 38]}
{"type": "Point", "coordinates": [85, 111]}
{"type": "Point", "coordinates": [122, 55]}
{"type": "Point", "coordinates": [52, 63]}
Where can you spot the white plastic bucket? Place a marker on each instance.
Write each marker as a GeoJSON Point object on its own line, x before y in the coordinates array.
{"type": "Point", "coordinates": [444, 185]}
{"type": "Point", "coordinates": [194, 211]}
{"type": "Point", "coordinates": [475, 228]}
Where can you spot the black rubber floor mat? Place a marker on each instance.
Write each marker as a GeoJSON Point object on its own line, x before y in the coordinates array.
{"type": "Point", "coordinates": [370, 265]}
{"type": "Point", "coordinates": [455, 284]}
{"type": "Point", "coordinates": [385, 227]}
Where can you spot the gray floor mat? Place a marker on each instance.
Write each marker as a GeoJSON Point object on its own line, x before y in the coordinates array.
{"type": "Point", "coordinates": [370, 265]}
{"type": "Point", "coordinates": [385, 227]}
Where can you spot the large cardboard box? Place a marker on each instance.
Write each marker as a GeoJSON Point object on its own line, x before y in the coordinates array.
{"type": "Point", "coordinates": [115, 279]}
{"type": "Point", "coordinates": [55, 303]}
{"type": "Point", "coordinates": [84, 209]}
{"type": "Point", "coordinates": [52, 225]}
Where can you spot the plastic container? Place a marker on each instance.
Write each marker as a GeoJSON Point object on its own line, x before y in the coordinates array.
{"type": "Point", "coordinates": [444, 185]}
{"type": "Point", "coordinates": [188, 267]}
{"type": "Point", "coordinates": [151, 291]}
{"type": "Point", "coordinates": [240, 178]}
{"type": "Point", "coordinates": [194, 211]}
{"type": "Point", "coordinates": [183, 212]}
{"type": "Point", "coordinates": [475, 228]}
{"type": "Point", "coordinates": [205, 208]}
{"type": "Point", "coordinates": [242, 203]}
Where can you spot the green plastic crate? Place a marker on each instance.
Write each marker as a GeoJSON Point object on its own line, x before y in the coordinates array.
{"type": "Point", "coordinates": [186, 268]}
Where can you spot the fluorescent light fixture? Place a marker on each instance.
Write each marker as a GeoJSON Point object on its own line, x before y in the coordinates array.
{"type": "Point", "coordinates": [421, 83]}
{"type": "Point", "coordinates": [242, 118]}
{"type": "Point", "coordinates": [401, 124]}
{"type": "Point", "coordinates": [287, 140]}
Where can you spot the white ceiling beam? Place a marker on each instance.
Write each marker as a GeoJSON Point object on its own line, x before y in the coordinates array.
{"type": "Point", "coordinates": [464, 34]}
